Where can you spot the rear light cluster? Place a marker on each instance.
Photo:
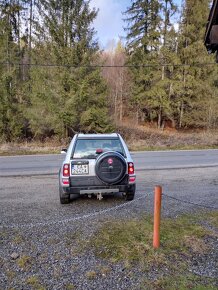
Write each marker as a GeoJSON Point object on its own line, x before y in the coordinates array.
{"type": "Point", "coordinates": [65, 181]}
{"type": "Point", "coordinates": [66, 173]}
{"type": "Point", "coordinates": [132, 179]}
{"type": "Point", "coordinates": [66, 170]}
{"type": "Point", "coordinates": [131, 169]}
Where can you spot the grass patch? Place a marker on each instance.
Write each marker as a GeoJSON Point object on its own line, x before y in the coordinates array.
{"type": "Point", "coordinates": [70, 287]}
{"type": "Point", "coordinates": [10, 274]}
{"type": "Point", "coordinates": [133, 239]}
{"type": "Point", "coordinates": [91, 275]}
{"type": "Point", "coordinates": [33, 281]}
{"type": "Point", "coordinates": [180, 282]}
{"type": "Point", "coordinates": [104, 270]}
{"type": "Point", "coordinates": [18, 239]}
{"type": "Point", "coordinates": [181, 239]}
{"type": "Point", "coordinates": [24, 262]}
{"type": "Point", "coordinates": [212, 218]}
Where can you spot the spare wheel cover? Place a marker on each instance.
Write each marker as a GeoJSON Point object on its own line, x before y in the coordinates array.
{"type": "Point", "coordinates": [110, 167]}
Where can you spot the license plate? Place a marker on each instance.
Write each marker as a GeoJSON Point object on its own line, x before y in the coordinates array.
{"type": "Point", "coordinates": [80, 169]}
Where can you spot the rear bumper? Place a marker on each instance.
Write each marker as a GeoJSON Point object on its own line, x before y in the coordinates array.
{"type": "Point", "coordinates": [98, 189]}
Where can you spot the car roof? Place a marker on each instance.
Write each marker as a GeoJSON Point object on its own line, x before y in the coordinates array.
{"type": "Point", "coordinates": [85, 136]}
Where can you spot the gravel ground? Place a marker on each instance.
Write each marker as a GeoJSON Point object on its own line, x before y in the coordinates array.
{"type": "Point", "coordinates": [45, 243]}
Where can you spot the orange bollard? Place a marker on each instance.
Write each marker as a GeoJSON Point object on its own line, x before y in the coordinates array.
{"type": "Point", "coordinates": [157, 215]}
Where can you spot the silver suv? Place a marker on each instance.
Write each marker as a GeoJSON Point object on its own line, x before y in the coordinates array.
{"type": "Point", "coordinates": [97, 164]}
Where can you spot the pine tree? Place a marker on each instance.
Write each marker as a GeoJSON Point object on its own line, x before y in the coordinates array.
{"type": "Point", "coordinates": [11, 119]}
{"type": "Point", "coordinates": [143, 43]}
{"type": "Point", "coordinates": [167, 55]}
{"type": "Point", "coordinates": [194, 82]}
{"type": "Point", "coordinates": [69, 40]}
{"type": "Point", "coordinates": [143, 22]}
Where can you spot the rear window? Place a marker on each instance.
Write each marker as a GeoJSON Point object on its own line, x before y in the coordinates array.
{"type": "Point", "coordinates": [86, 148]}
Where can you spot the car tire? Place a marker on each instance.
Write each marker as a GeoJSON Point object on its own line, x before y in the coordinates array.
{"type": "Point", "coordinates": [131, 193]}
{"type": "Point", "coordinates": [64, 198]}
{"type": "Point", "coordinates": [110, 173]}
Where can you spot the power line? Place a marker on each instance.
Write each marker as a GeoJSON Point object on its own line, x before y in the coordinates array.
{"type": "Point", "coordinates": [109, 66]}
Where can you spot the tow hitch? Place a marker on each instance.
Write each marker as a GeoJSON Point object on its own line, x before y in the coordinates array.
{"type": "Point", "coordinates": [99, 196]}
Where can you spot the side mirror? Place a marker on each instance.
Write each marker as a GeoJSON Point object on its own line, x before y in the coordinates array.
{"type": "Point", "coordinates": [63, 151]}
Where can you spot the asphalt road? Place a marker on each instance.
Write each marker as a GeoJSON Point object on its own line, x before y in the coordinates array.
{"type": "Point", "coordinates": [50, 164]}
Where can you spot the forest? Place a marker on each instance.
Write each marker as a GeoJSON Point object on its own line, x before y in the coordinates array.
{"type": "Point", "coordinates": [56, 81]}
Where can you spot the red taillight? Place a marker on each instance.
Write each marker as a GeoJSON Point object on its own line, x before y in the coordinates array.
{"type": "Point", "coordinates": [131, 168]}
{"type": "Point", "coordinates": [132, 179]}
{"type": "Point", "coordinates": [65, 181]}
{"type": "Point", "coordinates": [66, 170]}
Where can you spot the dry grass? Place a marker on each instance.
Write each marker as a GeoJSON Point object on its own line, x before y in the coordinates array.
{"type": "Point", "coordinates": [91, 275]}
{"type": "Point", "coordinates": [18, 239]}
{"type": "Point", "coordinates": [10, 274]}
{"type": "Point", "coordinates": [104, 270]}
{"type": "Point", "coordinates": [145, 138]}
{"type": "Point", "coordinates": [197, 245]}
{"type": "Point", "coordinates": [50, 146]}
{"type": "Point", "coordinates": [70, 287]}
{"type": "Point", "coordinates": [34, 283]}
{"type": "Point", "coordinates": [24, 262]}
{"type": "Point", "coordinates": [213, 219]}
{"type": "Point", "coordinates": [137, 137]}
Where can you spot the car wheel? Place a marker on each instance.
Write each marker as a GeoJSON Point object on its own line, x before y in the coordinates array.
{"type": "Point", "coordinates": [110, 167]}
{"type": "Point", "coordinates": [130, 194]}
{"type": "Point", "coordinates": [64, 198]}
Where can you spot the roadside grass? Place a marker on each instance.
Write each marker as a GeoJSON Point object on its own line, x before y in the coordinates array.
{"type": "Point", "coordinates": [171, 147]}
{"type": "Point", "coordinates": [181, 239]}
{"type": "Point", "coordinates": [12, 149]}
{"type": "Point", "coordinates": [138, 138]}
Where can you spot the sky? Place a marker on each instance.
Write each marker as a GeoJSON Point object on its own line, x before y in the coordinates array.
{"type": "Point", "coordinates": [109, 22]}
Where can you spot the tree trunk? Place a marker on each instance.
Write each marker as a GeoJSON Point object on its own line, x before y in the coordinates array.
{"type": "Point", "coordinates": [121, 107]}
{"type": "Point", "coordinates": [181, 114]}
{"type": "Point", "coordinates": [30, 33]}
{"type": "Point", "coordinates": [8, 42]}
{"type": "Point", "coordinates": [18, 41]}
{"type": "Point", "coordinates": [163, 72]}
{"type": "Point", "coordinates": [165, 23]}
{"type": "Point", "coordinates": [115, 105]}
{"type": "Point", "coordinates": [159, 118]}
{"type": "Point", "coordinates": [121, 95]}
{"type": "Point", "coordinates": [137, 115]}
